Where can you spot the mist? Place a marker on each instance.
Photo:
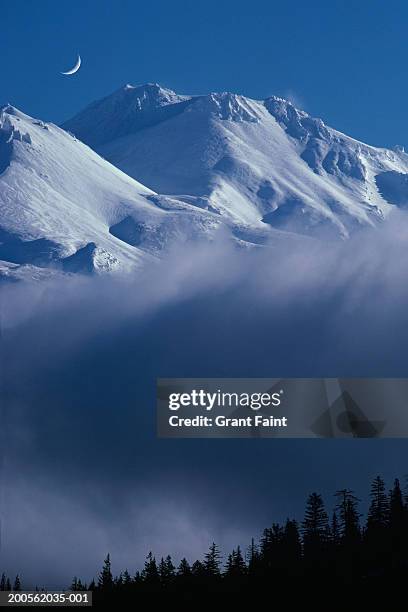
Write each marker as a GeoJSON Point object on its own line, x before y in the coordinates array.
{"type": "Point", "coordinates": [82, 471]}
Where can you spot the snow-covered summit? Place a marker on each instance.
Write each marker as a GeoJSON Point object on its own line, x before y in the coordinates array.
{"type": "Point", "coordinates": [252, 162]}
{"type": "Point", "coordinates": [126, 110]}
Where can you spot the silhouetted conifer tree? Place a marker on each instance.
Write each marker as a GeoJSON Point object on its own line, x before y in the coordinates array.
{"type": "Point", "coordinates": [166, 571]}
{"type": "Point", "coordinates": [377, 530]}
{"type": "Point", "coordinates": [379, 507]}
{"type": "Point", "coordinates": [184, 568]}
{"type": "Point", "coordinates": [315, 529]}
{"type": "Point", "coordinates": [212, 562]}
{"type": "Point", "coordinates": [198, 569]}
{"type": "Point", "coordinates": [291, 552]}
{"type": "Point", "coordinates": [126, 578]}
{"type": "Point", "coordinates": [271, 548]}
{"type": "Point", "coordinates": [184, 575]}
{"type": "Point", "coordinates": [349, 517]}
{"type": "Point", "coordinates": [235, 566]}
{"type": "Point", "coordinates": [348, 553]}
{"type": "Point", "coordinates": [253, 559]}
{"type": "Point", "coordinates": [17, 584]}
{"type": "Point", "coordinates": [74, 584]}
{"type": "Point", "coordinates": [105, 577]}
{"type": "Point", "coordinates": [150, 573]}
{"type": "Point", "coordinates": [199, 574]}
{"type": "Point", "coordinates": [398, 525]}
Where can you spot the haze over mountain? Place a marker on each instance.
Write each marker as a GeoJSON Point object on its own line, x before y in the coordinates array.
{"type": "Point", "coordinates": [180, 168]}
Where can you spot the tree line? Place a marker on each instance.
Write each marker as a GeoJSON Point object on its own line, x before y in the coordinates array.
{"type": "Point", "coordinates": [343, 548]}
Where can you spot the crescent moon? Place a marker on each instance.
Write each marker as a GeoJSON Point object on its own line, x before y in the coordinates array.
{"type": "Point", "coordinates": [75, 68]}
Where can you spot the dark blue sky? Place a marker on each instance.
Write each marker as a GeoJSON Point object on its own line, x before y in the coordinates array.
{"type": "Point", "coordinates": [343, 61]}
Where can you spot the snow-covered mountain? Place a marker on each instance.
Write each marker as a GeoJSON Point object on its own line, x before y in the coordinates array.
{"type": "Point", "coordinates": [264, 170]}
{"type": "Point", "coordinates": [64, 208]}
{"type": "Point", "coordinates": [255, 163]}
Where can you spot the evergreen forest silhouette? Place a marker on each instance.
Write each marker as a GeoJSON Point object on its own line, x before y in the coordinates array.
{"type": "Point", "coordinates": [322, 551]}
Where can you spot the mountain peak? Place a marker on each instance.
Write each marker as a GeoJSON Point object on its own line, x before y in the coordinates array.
{"type": "Point", "coordinates": [130, 108]}
{"type": "Point", "coordinates": [138, 96]}
{"type": "Point", "coordinates": [151, 88]}
{"type": "Point", "coordinates": [13, 111]}
{"type": "Point", "coordinates": [227, 106]}
{"type": "Point", "coordinates": [8, 108]}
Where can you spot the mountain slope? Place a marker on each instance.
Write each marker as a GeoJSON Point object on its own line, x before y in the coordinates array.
{"type": "Point", "coordinates": [63, 206]}
{"type": "Point", "coordinates": [254, 163]}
